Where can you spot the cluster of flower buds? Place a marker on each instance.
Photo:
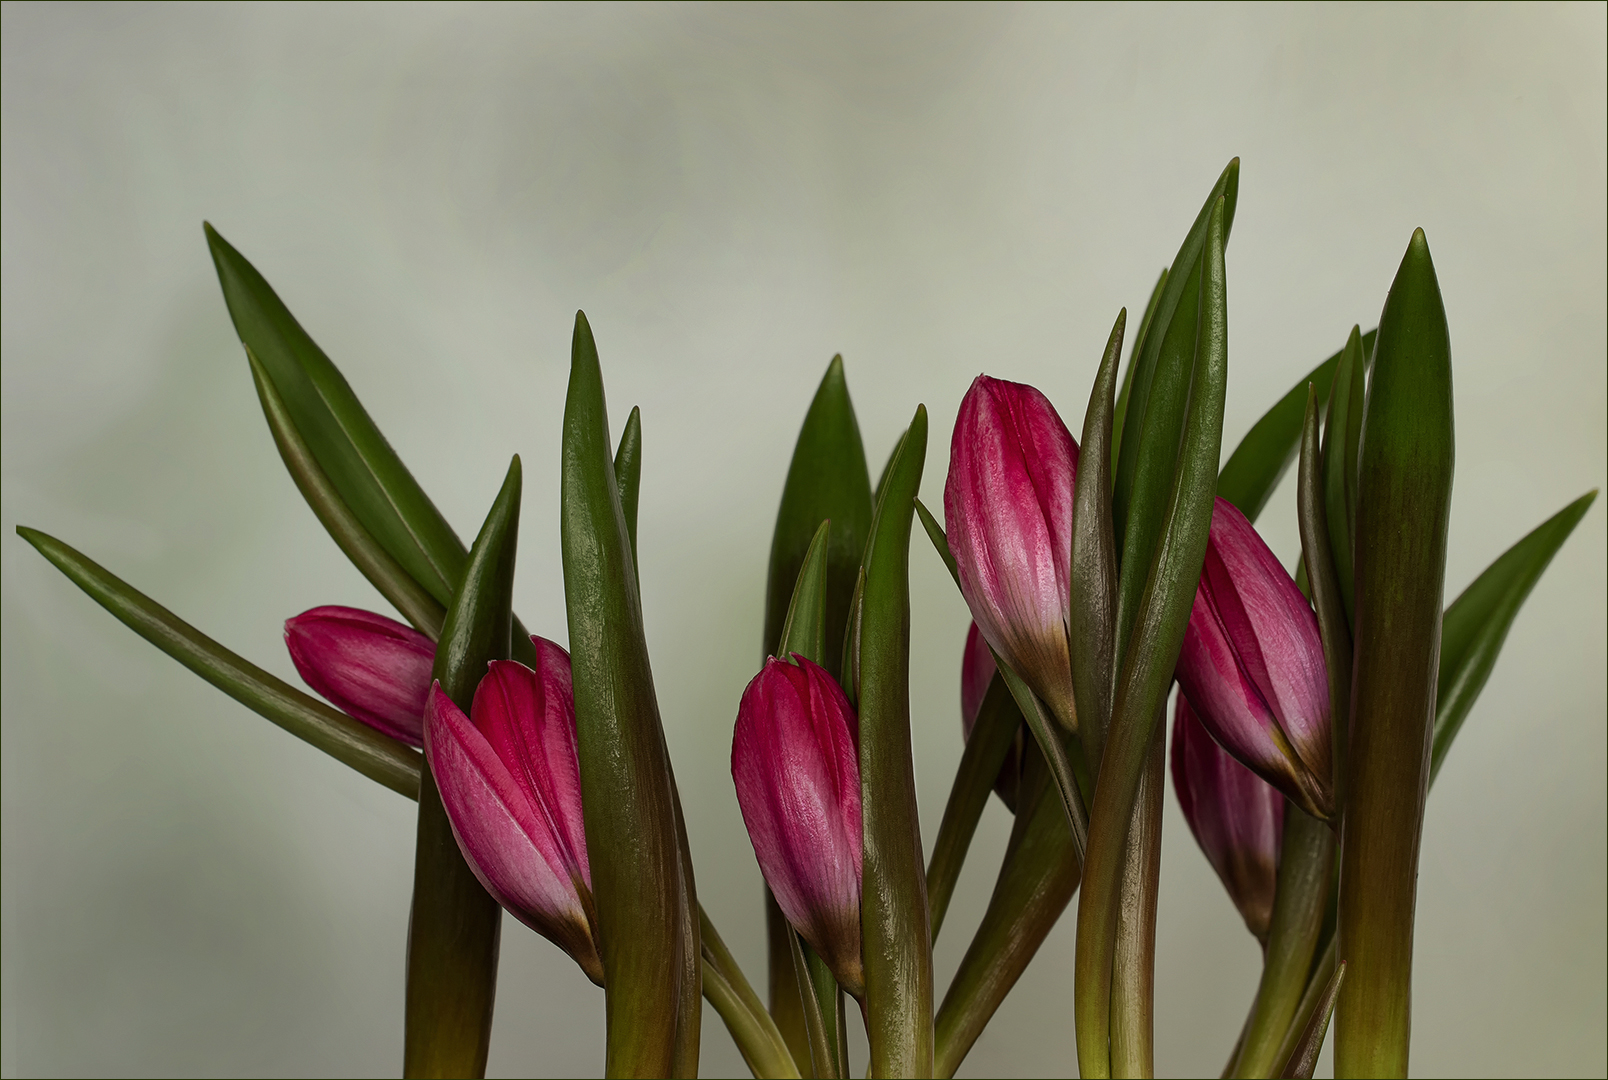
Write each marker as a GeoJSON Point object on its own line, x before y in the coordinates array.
{"type": "Point", "coordinates": [508, 772]}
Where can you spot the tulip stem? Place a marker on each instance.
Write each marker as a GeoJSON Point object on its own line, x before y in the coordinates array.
{"type": "Point", "coordinates": [1306, 862]}
{"type": "Point", "coordinates": [1133, 970]}
{"type": "Point", "coordinates": [728, 990]}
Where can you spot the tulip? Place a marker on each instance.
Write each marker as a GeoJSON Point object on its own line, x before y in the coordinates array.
{"type": "Point", "coordinates": [1252, 664]}
{"type": "Point", "coordinates": [1008, 510]}
{"type": "Point", "coordinates": [510, 781]}
{"type": "Point", "coordinates": [372, 668]}
{"type": "Point", "coordinates": [976, 672]}
{"type": "Point", "coordinates": [1237, 818]}
{"type": "Point", "coordinates": [795, 762]}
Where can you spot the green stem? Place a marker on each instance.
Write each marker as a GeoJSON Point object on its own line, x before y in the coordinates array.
{"type": "Point", "coordinates": [1133, 969]}
{"type": "Point", "coordinates": [1306, 862]}
{"type": "Point", "coordinates": [751, 1027]}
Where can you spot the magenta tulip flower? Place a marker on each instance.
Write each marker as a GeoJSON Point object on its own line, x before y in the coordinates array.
{"type": "Point", "coordinates": [1237, 818]}
{"type": "Point", "coordinates": [372, 668]}
{"type": "Point", "coordinates": [1008, 510]}
{"type": "Point", "coordinates": [511, 783]}
{"type": "Point", "coordinates": [1252, 664]}
{"type": "Point", "coordinates": [795, 761]}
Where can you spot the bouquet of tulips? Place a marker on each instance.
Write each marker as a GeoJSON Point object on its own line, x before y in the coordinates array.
{"type": "Point", "coordinates": [1312, 715]}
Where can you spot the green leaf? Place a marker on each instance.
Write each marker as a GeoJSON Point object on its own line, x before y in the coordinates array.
{"type": "Point", "coordinates": [804, 630]}
{"type": "Point", "coordinates": [827, 480]}
{"type": "Point", "coordinates": [1342, 434]}
{"type": "Point", "coordinates": [1146, 665]}
{"type": "Point", "coordinates": [992, 738]}
{"type": "Point", "coordinates": [1091, 632]}
{"type": "Point", "coordinates": [1035, 884]}
{"type": "Point", "coordinates": [1120, 413]}
{"type": "Point", "coordinates": [628, 474]}
{"type": "Point", "coordinates": [376, 756]}
{"type": "Point", "coordinates": [361, 465]}
{"type": "Point", "coordinates": [643, 897]}
{"type": "Point", "coordinates": [384, 573]}
{"type": "Point", "coordinates": [1303, 1059]}
{"type": "Point", "coordinates": [455, 925]}
{"type": "Point", "coordinates": [1168, 346]}
{"type": "Point", "coordinates": [894, 924]}
{"type": "Point", "coordinates": [1317, 559]}
{"type": "Point", "coordinates": [823, 1010]}
{"type": "Point", "coordinates": [1266, 452]}
{"type": "Point", "coordinates": [1476, 625]}
{"type": "Point", "coordinates": [1404, 489]}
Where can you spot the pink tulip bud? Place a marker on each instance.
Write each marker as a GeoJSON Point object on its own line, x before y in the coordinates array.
{"type": "Point", "coordinates": [511, 783]}
{"type": "Point", "coordinates": [1252, 664]}
{"type": "Point", "coordinates": [1237, 818]}
{"type": "Point", "coordinates": [976, 672]}
{"type": "Point", "coordinates": [795, 762]}
{"type": "Point", "coordinates": [1008, 508]}
{"type": "Point", "coordinates": [374, 669]}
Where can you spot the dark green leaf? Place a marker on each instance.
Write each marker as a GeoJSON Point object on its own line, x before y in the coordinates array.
{"type": "Point", "coordinates": [1120, 412]}
{"type": "Point", "coordinates": [642, 895]}
{"type": "Point", "coordinates": [1404, 489]}
{"type": "Point", "coordinates": [1147, 664]}
{"type": "Point", "coordinates": [1091, 632]}
{"type": "Point", "coordinates": [1323, 581]}
{"type": "Point", "coordinates": [896, 937]}
{"type": "Point", "coordinates": [804, 631]}
{"type": "Point", "coordinates": [455, 925]}
{"type": "Point", "coordinates": [628, 474]}
{"type": "Point", "coordinates": [376, 756]}
{"type": "Point", "coordinates": [1477, 623]}
{"type": "Point", "coordinates": [384, 573]}
{"type": "Point", "coordinates": [1342, 432]}
{"type": "Point", "coordinates": [823, 1010]}
{"type": "Point", "coordinates": [1303, 1059]}
{"type": "Point", "coordinates": [361, 465]}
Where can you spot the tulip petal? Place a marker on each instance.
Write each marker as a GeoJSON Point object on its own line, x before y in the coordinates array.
{"type": "Point", "coordinates": [505, 837]}
{"type": "Point", "coordinates": [1237, 818]}
{"type": "Point", "coordinates": [976, 672]}
{"type": "Point", "coordinates": [528, 718]}
{"type": "Point", "coordinates": [1008, 510]}
{"type": "Point", "coordinates": [375, 669]}
{"type": "Point", "coordinates": [797, 775]}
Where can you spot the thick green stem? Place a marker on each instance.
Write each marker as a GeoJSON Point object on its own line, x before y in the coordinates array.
{"type": "Point", "coordinates": [1133, 970]}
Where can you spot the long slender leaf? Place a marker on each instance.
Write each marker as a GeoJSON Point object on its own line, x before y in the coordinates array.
{"type": "Point", "coordinates": [1133, 964]}
{"type": "Point", "coordinates": [1404, 487]}
{"type": "Point", "coordinates": [631, 808]}
{"type": "Point", "coordinates": [1120, 411]}
{"type": "Point", "coordinates": [384, 573]}
{"type": "Point", "coordinates": [455, 926]}
{"type": "Point", "coordinates": [896, 939]}
{"type": "Point", "coordinates": [1342, 434]}
{"type": "Point", "coordinates": [1323, 576]}
{"type": "Point", "coordinates": [1036, 882]}
{"type": "Point", "coordinates": [1266, 452]}
{"type": "Point", "coordinates": [361, 465]}
{"type": "Point", "coordinates": [376, 756]}
{"type": "Point", "coordinates": [1147, 666]}
{"type": "Point", "coordinates": [1169, 342]}
{"type": "Point", "coordinates": [1092, 630]}
{"type": "Point", "coordinates": [1476, 625]}
{"type": "Point", "coordinates": [1303, 1059]}
{"type": "Point", "coordinates": [628, 474]}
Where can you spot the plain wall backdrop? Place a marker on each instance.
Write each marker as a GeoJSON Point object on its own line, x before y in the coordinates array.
{"type": "Point", "coordinates": [732, 194]}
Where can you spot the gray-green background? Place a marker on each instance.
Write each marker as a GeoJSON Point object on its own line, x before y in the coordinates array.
{"type": "Point", "coordinates": [733, 194]}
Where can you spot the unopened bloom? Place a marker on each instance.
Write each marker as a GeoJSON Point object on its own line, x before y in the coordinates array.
{"type": "Point", "coordinates": [795, 761]}
{"type": "Point", "coordinates": [374, 669]}
{"type": "Point", "coordinates": [1008, 510]}
{"type": "Point", "coordinates": [1252, 664]}
{"type": "Point", "coordinates": [510, 781]}
{"type": "Point", "coordinates": [1237, 818]}
{"type": "Point", "coordinates": [976, 673]}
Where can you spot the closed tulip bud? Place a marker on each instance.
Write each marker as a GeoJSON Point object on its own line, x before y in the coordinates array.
{"type": "Point", "coordinates": [372, 668]}
{"type": "Point", "coordinates": [795, 762]}
{"type": "Point", "coordinates": [1237, 818]}
{"type": "Point", "coordinates": [1252, 664]}
{"type": "Point", "coordinates": [510, 781]}
{"type": "Point", "coordinates": [1008, 510]}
